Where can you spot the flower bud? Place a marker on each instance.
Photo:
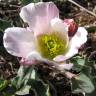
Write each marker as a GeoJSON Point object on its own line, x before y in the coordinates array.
{"type": "Point", "coordinates": [72, 27]}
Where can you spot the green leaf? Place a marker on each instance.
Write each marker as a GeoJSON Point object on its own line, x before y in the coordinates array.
{"type": "Point", "coordinates": [14, 82]}
{"type": "Point", "coordinates": [82, 83]}
{"type": "Point", "coordinates": [24, 91]}
{"type": "Point", "coordinates": [40, 87]}
{"type": "Point", "coordinates": [90, 68]}
{"type": "Point", "coordinates": [94, 92]}
{"type": "Point", "coordinates": [78, 62]}
{"type": "Point", "coordinates": [92, 29]}
{"type": "Point", "coordinates": [3, 84]}
{"type": "Point", "coordinates": [4, 24]}
{"type": "Point", "coordinates": [27, 76]}
{"type": "Point", "coordinates": [24, 74]}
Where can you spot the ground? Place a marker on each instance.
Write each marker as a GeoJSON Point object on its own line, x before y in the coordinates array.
{"type": "Point", "coordinates": [59, 84]}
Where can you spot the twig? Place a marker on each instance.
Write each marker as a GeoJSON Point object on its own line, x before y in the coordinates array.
{"type": "Point", "coordinates": [82, 7]}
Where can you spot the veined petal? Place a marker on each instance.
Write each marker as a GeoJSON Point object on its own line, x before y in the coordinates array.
{"type": "Point", "coordinates": [38, 15]}
{"type": "Point", "coordinates": [18, 41]}
{"type": "Point", "coordinates": [79, 38]}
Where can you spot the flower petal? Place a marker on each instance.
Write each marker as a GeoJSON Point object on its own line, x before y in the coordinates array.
{"type": "Point", "coordinates": [38, 15]}
{"type": "Point", "coordinates": [58, 25]}
{"type": "Point", "coordinates": [79, 38]}
{"type": "Point", "coordinates": [32, 58]}
{"type": "Point", "coordinates": [18, 41]}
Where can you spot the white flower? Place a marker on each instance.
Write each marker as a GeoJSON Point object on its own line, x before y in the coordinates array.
{"type": "Point", "coordinates": [46, 37]}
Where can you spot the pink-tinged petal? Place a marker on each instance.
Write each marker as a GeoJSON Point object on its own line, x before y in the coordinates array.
{"type": "Point", "coordinates": [32, 58]}
{"type": "Point", "coordinates": [58, 25]}
{"type": "Point", "coordinates": [75, 43]}
{"type": "Point", "coordinates": [38, 15]}
{"type": "Point", "coordinates": [18, 41]}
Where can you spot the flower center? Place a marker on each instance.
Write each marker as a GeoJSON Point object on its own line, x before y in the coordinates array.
{"type": "Point", "coordinates": [51, 45]}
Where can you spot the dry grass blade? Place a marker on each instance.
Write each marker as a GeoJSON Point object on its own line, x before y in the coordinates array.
{"type": "Point", "coordinates": [73, 2]}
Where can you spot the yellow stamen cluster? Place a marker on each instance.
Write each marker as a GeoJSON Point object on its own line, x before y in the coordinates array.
{"type": "Point", "coordinates": [51, 45]}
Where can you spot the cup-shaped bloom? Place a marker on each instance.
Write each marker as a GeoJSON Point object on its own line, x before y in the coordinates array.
{"type": "Point", "coordinates": [46, 37]}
